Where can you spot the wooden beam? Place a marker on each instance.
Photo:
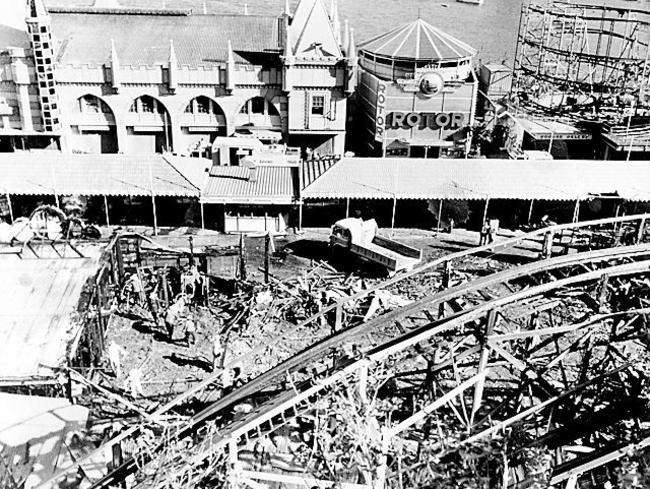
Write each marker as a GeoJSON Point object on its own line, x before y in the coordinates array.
{"type": "Point", "coordinates": [485, 354]}
{"type": "Point", "coordinates": [425, 411]}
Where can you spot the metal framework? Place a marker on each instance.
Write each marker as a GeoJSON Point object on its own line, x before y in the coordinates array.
{"type": "Point", "coordinates": [570, 54]}
{"type": "Point", "coordinates": [531, 364]}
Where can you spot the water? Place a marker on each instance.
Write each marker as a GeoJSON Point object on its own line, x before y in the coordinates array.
{"type": "Point", "coordinates": [491, 28]}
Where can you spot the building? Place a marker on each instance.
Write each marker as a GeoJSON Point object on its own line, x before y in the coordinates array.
{"type": "Point", "coordinates": [417, 92]}
{"type": "Point", "coordinates": [107, 79]}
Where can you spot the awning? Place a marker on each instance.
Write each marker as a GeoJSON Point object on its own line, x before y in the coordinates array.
{"type": "Point", "coordinates": [51, 172]}
{"type": "Point", "coordinates": [478, 179]}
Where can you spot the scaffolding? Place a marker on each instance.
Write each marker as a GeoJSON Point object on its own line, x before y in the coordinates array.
{"type": "Point", "coordinates": [582, 58]}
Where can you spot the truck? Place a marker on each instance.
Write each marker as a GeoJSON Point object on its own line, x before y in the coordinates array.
{"type": "Point", "coordinates": [361, 238]}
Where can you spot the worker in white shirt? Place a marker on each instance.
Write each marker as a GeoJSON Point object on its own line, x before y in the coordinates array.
{"type": "Point", "coordinates": [217, 353]}
{"type": "Point", "coordinates": [134, 381]}
{"type": "Point", "coordinates": [115, 353]}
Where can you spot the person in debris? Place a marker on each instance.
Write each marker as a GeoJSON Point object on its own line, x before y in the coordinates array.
{"type": "Point", "coordinates": [190, 331]}
{"type": "Point", "coordinates": [115, 353]}
{"type": "Point", "coordinates": [134, 382]}
{"type": "Point", "coordinates": [172, 316]}
{"type": "Point", "coordinates": [217, 353]}
{"type": "Point", "coordinates": [485, 231]}
{"type": "Point", "coordinates": [493, 228]}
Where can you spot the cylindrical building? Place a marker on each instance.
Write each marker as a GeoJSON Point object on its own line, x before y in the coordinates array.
{"type": "Point", "coordinates": [417, 92]}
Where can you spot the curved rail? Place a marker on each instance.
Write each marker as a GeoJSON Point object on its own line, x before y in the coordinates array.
{"type": "Point", "coordinates": [558, 239]}
{"type": "Point", "coordinates": [288, 404]}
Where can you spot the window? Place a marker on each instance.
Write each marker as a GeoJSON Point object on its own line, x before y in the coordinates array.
{"type": "Point", "coordinates": [257, 105]}
{"type": "Point", "coordinates": [318, 105]}
{"type": "Point", "coordinates": [203, 105]}
{"type": "Point", "coordinates": [147, 105]}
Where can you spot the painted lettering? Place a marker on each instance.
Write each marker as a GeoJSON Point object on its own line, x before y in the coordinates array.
{"type": "Point", "coordinates": [431, 120]}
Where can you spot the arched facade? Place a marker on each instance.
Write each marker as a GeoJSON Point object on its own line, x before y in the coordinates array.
{"type": "Point", "coordinates": [92, 126]}
{"type": "Point", "coordinates": [201, 121]}
{"type": "Point", "coordinates": [258, 115]}
{"type": "Point", "coordinates": [148, 126]}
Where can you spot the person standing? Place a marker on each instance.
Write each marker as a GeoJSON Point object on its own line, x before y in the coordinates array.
{"type": "Point", "coordinates": [134, 382]}
{"type": "Point", "coordinates": [190, 331]}
{"type": "Point", "coordinates": [485, 230]}
{"type": "Point", "coordinates": [115, 353]}
{"type": "Point", "coordinates": [217, 353]}
{"type": "Point", "coordinates": [172, 316]}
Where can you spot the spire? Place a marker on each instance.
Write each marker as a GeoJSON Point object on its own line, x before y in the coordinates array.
{"type": "Point", "coordinates": [312, 31]}
{"type": "Point", "coordinates": [37, 9]}
{"type": "Point", "coordinates": [287, 8]}
{"type": "Point", "coordinates": [288, 44]}
{"type": "Point", "coordinates": [336, 22]}
{"type": "Point", "coordinates": [205, 8]}
{"type": "Point", "coordinates": [230, 68]}
{"type": "Point", "coordinates": [352, 47]}
{"type": "Point", "coordinates": [172, 67]}
{"type": "Point", "coordinates": [115, 67]}
{"type": "Point", "coordinates": [245, 9]}
{"type": "Point", "coordinates": [345, 38]}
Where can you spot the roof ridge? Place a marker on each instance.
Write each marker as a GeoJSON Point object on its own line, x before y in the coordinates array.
{"type": "Point", "coordinates": [164, 158]}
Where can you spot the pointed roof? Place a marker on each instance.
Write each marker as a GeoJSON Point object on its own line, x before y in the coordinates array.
{"type": "Point", "coordinates": [418, 40]}
{"type": "Point", "coordinates": [172, 53]}
{"type": "Point", "coordinates": [311, 26]}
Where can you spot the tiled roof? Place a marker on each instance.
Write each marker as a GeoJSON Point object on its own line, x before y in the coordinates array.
{"type": "Point", "coordinates": [418, 40]}
{"type": "Point", "coordinates": [47, 172]}
{"type": "Point", "coordinates": [409, 178]}
{"type": "Point", "coordinates": [143, 39]}
{"type": "Point", "coordinates": [273, 185]}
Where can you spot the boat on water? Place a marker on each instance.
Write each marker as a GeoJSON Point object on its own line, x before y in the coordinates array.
{"type": "Point", "coordinates": [474, 2]}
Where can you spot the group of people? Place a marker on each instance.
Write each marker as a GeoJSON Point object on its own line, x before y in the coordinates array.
{"type": "Point", "coordinates": [489, 231]}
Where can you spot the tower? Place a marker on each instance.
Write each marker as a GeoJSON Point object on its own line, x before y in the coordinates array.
{"type": "Point", "coordinates": [40, 34]}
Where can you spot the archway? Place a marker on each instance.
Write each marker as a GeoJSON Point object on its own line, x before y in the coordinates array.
{"type": "Point", "coordinates": [201, 122]}
{"type": "Point", "coordinates": [261, 118]}
{"type": "Point", "coordinates": [93, 126]}
{"type": "Point", "coordinates": [148, 126]}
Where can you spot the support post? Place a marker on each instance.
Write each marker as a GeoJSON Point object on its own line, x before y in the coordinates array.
{"type": "Point", "coordinates": [202, 213]}
{"type": "Point", "coordinates": [153, 201]}
{"type": "Point", "coordinates": [267, 247]}
{"type": "Point", "coordinates": [242, 257]}
{"type": "Point", "coordinates": [155, 216]}
{"type": "Point", "coordinates": [108, 222]}
{"type": "Point", "coordinates": [485, 210]}
{"type": "Point", "coordinates": [530, 210]}
{"type": "Point", "coordinates": [347, 207]}
{"type": "Point", "coordinates": [11, 210]}
{"type": "Point", "coordinates": [300, 204]}
{"type": "Point", "coordinates": [576, 211]}
{"type": "Point", "coordinates": [439, 215]}
{"type": "Point", "coordinates": [641, 231]}
{"type": "Point", "coordinates": [392, 221]}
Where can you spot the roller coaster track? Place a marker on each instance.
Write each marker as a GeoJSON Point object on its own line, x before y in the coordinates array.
{"type": "Point", "coordinates": [395, 331]}
{"type": "Point", "coordinates": [299, 399]}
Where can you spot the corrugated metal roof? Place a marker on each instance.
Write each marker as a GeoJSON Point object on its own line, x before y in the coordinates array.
{"type": "Point", "coordinates": [49, 172]}
{"type": "Point", "coordinates": [199, 40]}
{"type": "Point", "coordinates": [231, 184]}
{"type": "Point", "coordinates": [313, 169]}
{"type": "Point", "coordinates": [418, 40]}
{"type": "Point", "coordinates": [409, 178]}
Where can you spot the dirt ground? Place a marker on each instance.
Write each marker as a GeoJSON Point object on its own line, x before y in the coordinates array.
{"type": "Point", "coordinates": [172, 367]}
